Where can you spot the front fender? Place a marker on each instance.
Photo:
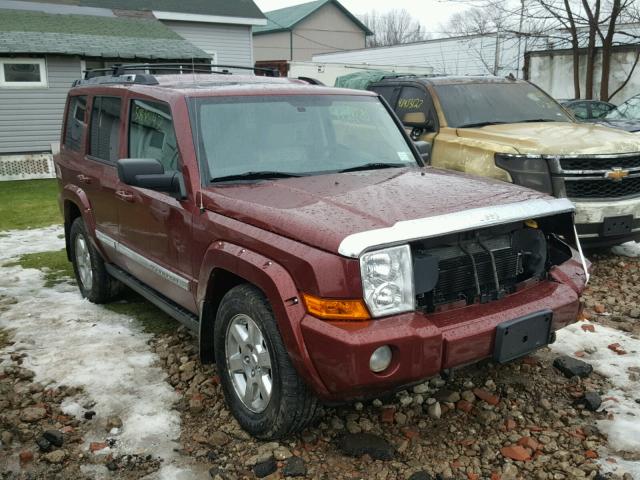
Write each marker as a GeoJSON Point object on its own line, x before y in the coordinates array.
{"type": "Point", "coordinates": [279, 288]}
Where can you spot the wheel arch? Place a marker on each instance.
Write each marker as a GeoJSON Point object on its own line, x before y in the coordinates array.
{"type": "Point", "coordinates": [75, 204]}
{"type": "Point", "coordinates": [226, 265]}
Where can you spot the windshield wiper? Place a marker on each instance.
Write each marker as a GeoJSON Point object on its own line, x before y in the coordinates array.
{"type": "Point", "coordinates": [538, 120]}
{"type": "Point", "coordinates": [480, 124]}
{"type": "Point", "coordinates": [264, 175]}
{"type": "Point", "coordinates": [373, 166]}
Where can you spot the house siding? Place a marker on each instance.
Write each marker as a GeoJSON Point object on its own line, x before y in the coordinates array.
{"type": "Point", "coordinates": [31, 118]}
{"type": "Point", "coordinates": [232, 43]}
{"type": "Point", "coordinates": [326, 30]}
{"type": "Point", "coordinates": [272, 46]}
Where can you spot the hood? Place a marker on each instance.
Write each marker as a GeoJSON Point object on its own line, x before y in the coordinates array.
{"type": "Point", "coordinates": [322, 210]}
{"type": "Point", "coordinates": [556, 138]}
{"type": "Point", "coordinates": [626, 125]}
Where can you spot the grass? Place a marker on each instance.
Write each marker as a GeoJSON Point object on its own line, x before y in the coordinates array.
{"type": "Point", "coordinates": [29, 204]}
{"type": "Point", "coordinates": [58, 269]}
{"type": "Point", "coordinates": [55, 266]}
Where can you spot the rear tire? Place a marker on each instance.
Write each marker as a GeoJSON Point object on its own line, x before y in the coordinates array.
{"type": "Point", "coordinates": [94, 282]}
{"type": "Point", "coordinates": [251, 357]}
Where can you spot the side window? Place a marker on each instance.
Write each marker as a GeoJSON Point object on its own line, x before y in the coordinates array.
{"type": "Point", "coordinates": [600, 109]}
{"type": "Point", "coordinates": [151, 133]}
{"type": "Point", "coordinates": [389, 92]}
{"type": "Point", "coordinates": [104, 139]}
{"type": "Point", "coordinates": [76, 123]}
{"type": "Point", "coordinates": [414, 99]}
{"type": "Point", "coordinates": [580, 110]}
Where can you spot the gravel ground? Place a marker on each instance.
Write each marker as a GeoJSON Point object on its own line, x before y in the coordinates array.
{"type": "Point", "coordinates": [524, 420]}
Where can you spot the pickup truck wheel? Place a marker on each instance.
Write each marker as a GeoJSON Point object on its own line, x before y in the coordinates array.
{"type": "Point", "coordinates": [94, 282]}
{"type": "Point", "coordinates": [262, 389]}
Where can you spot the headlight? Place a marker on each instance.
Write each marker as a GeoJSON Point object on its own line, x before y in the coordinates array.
{"type": "Point", "coordinates": [387, 281]}
{"type": "Point", "coordinates": [532, 172]}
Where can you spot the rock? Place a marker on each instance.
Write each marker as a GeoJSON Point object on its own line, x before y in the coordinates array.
{"type": "Point", "coordinates": [421, 476]}
{"type": "Point", "coordinates": [25, 457]}
{"type": "Point", "coordinates": [88, 415]}
{"type": "Point", "coordinates": [421, 389]}
{"type": "Point", "coordinates": [55, 457]}
{"type": "Point", "coordinates": [113, 422]}
{"type": "Point", "coordinates": [219, 439]}
{"type": "Point", "coordinates": [281, 453]}
{"type": "Point", "coordinates": [529, 443]}
{"type": "Point", "coordinates": [54, 437]}
{"type": "Point", "coordinates": [353, 426]}
{"type": "Point", "coordinates": [599, 308]}
{"type": "Point", "coordinates": [516, 452]}
{"type": "Point", "coordinates": [468, 396]}
{"type": "Point", "coordinates": [6, 438]}
{"type": "Point", "coordinates": [434, 410]}
{"type": "Point", "coordinates": [43, 444]}
{"type": "Point", "coordinates": [546, 404]}
{"type": "Point", "coordinates": [356, 445]}
{"type": "Point", "coordinates": [337, 424]}
{"type": "Point", "coordinates": [264, 468]}
{"type": "Point", "coordinates": [196, 403]}
{"type": "Point", "coordinates": [97, 446]}
{"type": "Point", "coordinates": [486, 396]}
{"type": "Point", "coordinates": [387, 414]}
{"type": "Point", "coordinates": [591, 401]}
{"type": "Point", "coordinates": [572, 367]}
{"type": "Point", "coordinates": [464, 406]}
{"type": "Point", "coordinates": [447, 396]}
{"type": "Point", "coordinates": [294, 467]}
{"type": "Point", "coordinates": [33, 414]}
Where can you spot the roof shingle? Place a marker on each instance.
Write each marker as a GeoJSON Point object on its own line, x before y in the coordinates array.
{"type": "Point", "coordinates": [112, 37]}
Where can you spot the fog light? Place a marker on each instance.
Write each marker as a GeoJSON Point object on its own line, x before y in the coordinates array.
{"type": "Point", "coordinates": [380, 359]}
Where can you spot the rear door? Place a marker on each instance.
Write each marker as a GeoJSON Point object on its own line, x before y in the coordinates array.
{"type": "Point", "coordinates": [155, 228]}
{"type": "Point", "coordinates": [100, 175]}
{"type": "Point", "coordinates": [70, 164]}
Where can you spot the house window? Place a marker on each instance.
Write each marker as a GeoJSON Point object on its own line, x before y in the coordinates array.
{"type": "Point", "coordinates": [23, 72]}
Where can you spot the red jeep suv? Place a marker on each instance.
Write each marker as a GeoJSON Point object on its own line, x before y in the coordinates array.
{"type": "Point", "coordinates": [297, 230]}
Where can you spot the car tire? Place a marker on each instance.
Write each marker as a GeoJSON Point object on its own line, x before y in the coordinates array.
{"type": "Point", "coordinates": [246, 338]}
{"type": "Point", "coordinates": [95, 284]}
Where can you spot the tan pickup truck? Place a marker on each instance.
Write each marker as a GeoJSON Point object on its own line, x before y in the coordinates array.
{"type": "Point", "coordinates": [513, 131]}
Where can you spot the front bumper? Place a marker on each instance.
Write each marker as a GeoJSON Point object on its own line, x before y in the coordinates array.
{"type": "Point", "coordinates": [590, 217]}
{"type": "Point", "coordinates": [425, 344]}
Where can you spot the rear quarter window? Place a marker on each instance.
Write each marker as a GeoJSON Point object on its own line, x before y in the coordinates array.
{"type": "Point", "coordinates": [75, 123]}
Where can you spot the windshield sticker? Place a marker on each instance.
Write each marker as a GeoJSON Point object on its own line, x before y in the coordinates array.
{"type": "Point", "coordinates": [404, 156]}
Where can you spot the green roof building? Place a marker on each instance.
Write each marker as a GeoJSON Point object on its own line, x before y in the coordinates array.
{"type": "Point", "coordinates": [297, 33]}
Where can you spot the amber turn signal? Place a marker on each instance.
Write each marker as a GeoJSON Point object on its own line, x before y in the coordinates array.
{"type": "Point", "coordinates": [332, 309]}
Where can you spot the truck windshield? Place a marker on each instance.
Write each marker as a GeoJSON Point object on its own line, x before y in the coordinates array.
{"type": "Point", "coordinates": [265, 137]}
{"type": "Point", "coordinates": [480, 104]}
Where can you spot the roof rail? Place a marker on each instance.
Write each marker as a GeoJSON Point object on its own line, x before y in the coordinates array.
{"type": "Point", "coordinates": [311, 81]}
{"type": "Point", "coordinates": [141, 73]}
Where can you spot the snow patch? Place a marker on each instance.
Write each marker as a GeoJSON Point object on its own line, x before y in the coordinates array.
{"type": "Point", "coordinates": [70, 341]}
{"type": "Point", "coordinates": [623, 430]}
{"type": "Point", "coordinates": [629, 249]}
{"type": "Point", "coordinates": [14, 243]}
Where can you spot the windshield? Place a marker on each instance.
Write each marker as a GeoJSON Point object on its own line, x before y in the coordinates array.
{"type": "Point", "coordinates": [480, 104]}
{"type": "Point", "coordinates": [259, 137]}
{"type": "Point", "coordinates": [629, 110]}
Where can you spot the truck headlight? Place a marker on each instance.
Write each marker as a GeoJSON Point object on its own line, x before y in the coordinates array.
{"type": "Point", "coordinates": [387, 280]}
{"type": "Point", "coordinates": [527, 171]}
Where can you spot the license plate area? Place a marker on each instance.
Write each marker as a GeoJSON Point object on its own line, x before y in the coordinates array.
{"type": "Point", "coordinates": [612, 226]}
{"type": "Point", "coordinates": [515, 338]}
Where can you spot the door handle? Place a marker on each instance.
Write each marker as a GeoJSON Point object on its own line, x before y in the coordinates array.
{"type": "Point", "coordinates": [83, 179]}
{"type": "Point", "coordinates": [125, 196]}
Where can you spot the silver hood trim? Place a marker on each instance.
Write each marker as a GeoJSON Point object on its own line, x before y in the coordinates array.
{"type": "Point", "coordinates": [409, 230]}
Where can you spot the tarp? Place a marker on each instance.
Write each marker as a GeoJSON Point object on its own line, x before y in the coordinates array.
{"type": "Point", "coordinates": [362, 79]}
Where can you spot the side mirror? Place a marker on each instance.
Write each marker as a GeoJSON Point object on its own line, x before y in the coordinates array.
{"type": "Point", "coordinates": [415, 119]}
{"type": "Point", "coordinates": [149, 173]}
{"type": "Point", "coordinates": [424, 149]}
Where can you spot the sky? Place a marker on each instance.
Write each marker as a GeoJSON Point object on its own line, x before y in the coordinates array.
{"type": "Point", "coordinates": [431, 13]}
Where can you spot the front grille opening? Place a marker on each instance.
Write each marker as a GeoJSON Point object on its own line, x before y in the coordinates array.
{"type": "Point", "coordinates": [480, 267]}
{"type": "Point", "coordinates": [600, 163]}
{"type": "Point", "coordinates": [603, 188]}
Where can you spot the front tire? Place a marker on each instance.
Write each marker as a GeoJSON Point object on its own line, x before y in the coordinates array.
{"type": "Point", "coordinates": [94, 282]}
{"type": "Point", "coordinates": [262, 389]}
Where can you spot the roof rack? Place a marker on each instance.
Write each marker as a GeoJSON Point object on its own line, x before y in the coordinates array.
{"type": "Point", "coordinates": [145, 73]}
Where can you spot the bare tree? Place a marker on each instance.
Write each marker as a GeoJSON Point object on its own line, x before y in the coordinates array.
{"type": "Point", "coordinates": [393, 28]}
{"type": "Point", "coordinates": [478, 21]}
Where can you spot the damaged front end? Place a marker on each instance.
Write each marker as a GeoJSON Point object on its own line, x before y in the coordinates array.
{"type": "Point", "coordinates": [485, 265]}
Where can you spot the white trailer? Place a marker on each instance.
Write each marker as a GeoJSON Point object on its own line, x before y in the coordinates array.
{"type": "Point", "coordinates": [327, 72]}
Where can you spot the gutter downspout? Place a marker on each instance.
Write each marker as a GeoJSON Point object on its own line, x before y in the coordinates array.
{"type": "Point", "coordinates": [291, 45]}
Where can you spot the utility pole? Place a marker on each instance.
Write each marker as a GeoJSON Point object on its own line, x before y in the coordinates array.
{"type": "Point", "coordinates": [520, 36]}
